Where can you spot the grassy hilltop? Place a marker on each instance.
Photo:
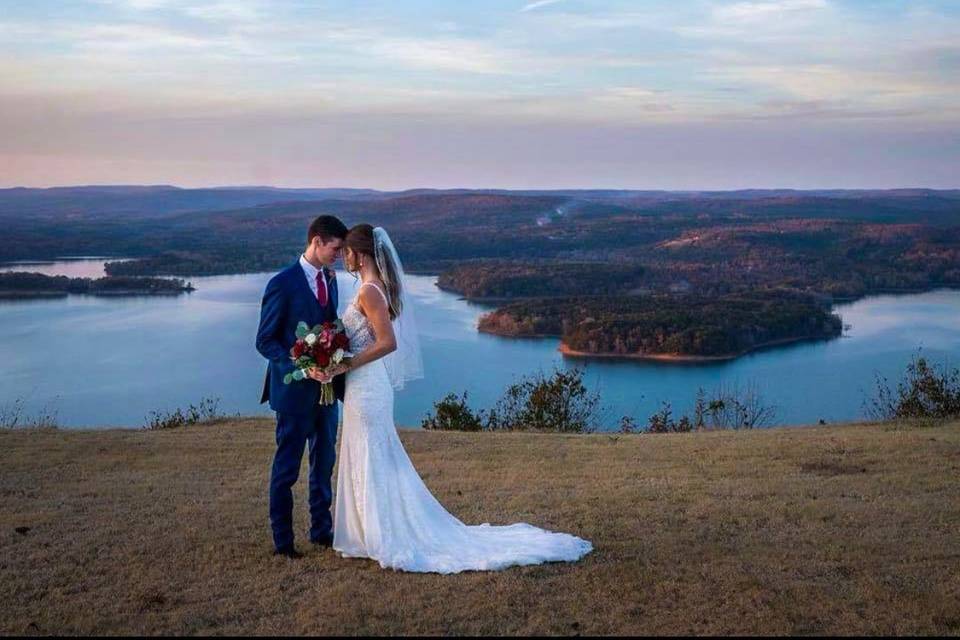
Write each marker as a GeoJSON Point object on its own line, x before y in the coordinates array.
{"type": "Point", "coordinates": [850, 530]}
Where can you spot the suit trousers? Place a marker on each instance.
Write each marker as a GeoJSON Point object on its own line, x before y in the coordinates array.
{"type": "Point", "coordinates": [318, 429]}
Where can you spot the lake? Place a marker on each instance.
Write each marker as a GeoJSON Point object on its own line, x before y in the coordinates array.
{"type": "Point", "coordinates": [101, 362]}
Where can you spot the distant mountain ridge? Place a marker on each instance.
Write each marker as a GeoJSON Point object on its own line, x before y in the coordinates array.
{"type": "Point", "coordinates": [151, 200]}
{"type": "Point", "coordinates": [164, 200]}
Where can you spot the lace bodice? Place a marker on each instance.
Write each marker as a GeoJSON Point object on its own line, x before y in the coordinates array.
{"type": "Point", "coordinates": [357, 326]}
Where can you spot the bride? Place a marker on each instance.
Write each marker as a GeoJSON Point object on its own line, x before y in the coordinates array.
{"type": "Point", "coordinates": [384, 511]}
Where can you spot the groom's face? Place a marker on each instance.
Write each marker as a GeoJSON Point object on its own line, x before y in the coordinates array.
{"type": "Point", "coordinates": [327, 252]}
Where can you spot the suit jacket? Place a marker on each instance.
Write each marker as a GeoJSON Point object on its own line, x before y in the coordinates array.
{"type": "Point", "coordinates": [287, 300]}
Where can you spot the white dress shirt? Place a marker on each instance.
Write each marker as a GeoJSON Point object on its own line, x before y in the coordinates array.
{"type": "Point", "coordinates": [311, 272]}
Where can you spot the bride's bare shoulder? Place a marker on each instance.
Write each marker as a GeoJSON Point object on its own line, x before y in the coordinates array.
{"type": "Point", "coordinates": [370, 298]}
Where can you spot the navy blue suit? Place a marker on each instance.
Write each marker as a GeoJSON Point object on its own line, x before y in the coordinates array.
{"type": "Point", "coordinates": [287, 300]}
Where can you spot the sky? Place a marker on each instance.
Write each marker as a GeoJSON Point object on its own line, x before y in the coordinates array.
{"type": "Point", "coordinates": [519, 94]}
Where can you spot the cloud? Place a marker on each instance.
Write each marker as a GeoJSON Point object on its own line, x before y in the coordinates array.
{"type": "Point", "coordinates": [226, 11]}
{"type": "Point", "coordinates": [827, 90]}
{"type": "Point", "coordinates": [439, 53]}
{"type": "Point", "coordinates": [538, 4]}
{"type": "Point", "coordinates": [753, 11]}
{"type": "Point", "coordinates": [89, 50]}
{"type": "Point", "coordinates": [207, 9]}
{"type": "Point", "coordinates": [139, 5]}
{"type": "Point", "coordinates": [159, 72]}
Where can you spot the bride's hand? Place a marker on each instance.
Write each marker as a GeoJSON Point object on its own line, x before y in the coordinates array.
{"type": "Point", "coordinates": [339, 368]}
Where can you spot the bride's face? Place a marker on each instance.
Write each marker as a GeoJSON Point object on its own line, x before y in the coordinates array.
{"type": "Point", "coordinates": [351, 260]}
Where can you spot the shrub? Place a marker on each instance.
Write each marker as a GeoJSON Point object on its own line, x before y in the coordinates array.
{"type": "Point", "coordinates": [628, 425]}
{"type": "Point", "coordinates": [662, 421]}
{"type": "Point", "coordinates": [13, 416]}
{"type": "Point", "coordinates": [208, 410]}
{"type": "Point", "coordinates": [728, 408]}
{"type": "Point", "coordinates": [452, 414]}
{"type": "Point", "coordinates": [926, 394]}
{"type": "Point", "coordinates": [562, 403]}
{"type": "Point", "coordinates": [559, 403]}
{"type": "Point", "coordinates": [736, 408]}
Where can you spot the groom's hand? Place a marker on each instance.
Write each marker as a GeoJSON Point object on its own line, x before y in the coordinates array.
{"type": "Point", "coordinates": [318, 375]}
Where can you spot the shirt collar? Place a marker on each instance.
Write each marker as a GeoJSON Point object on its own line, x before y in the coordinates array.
{"type": "Point", "coordinates": [312, 271]}
{"type": "Point", "coordinates": [308, 268]}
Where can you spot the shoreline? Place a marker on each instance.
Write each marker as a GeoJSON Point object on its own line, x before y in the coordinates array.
{"type": "Point", "coordinates": [652, 357]}
{"type": "Point", "coordinates": [519, 336]}
{"type": "Point", "coordinates": [892, 292]}
{"type": "Point", "coordinates": [32, 295]}
{"type": "Point", "coordinates": [120, 293]}
{"type": "Point", "coordinates": [682, 358]}
{"type": "Point", "coordinates": [488, 301]}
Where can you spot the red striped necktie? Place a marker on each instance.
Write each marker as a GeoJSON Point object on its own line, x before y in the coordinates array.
{"type": "Point", "coordinates": [321, 289]}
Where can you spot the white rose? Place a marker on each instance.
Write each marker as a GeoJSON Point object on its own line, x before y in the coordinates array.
{"type": "Point", "coordinates": [338, 356]}
{"type": "Point", "coordinates": [310, 339]}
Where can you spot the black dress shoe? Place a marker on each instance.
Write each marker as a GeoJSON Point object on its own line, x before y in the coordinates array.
{"type": "Point", "coordinates": [289, 552]}
{"type": "Point", "coordinates": [326, 541]}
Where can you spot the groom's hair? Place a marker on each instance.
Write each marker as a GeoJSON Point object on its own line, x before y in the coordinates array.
{"type": "Point", "coordinates": [326, 227]}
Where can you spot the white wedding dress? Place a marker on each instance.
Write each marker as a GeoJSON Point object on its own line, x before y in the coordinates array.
{"type": "Point", "coordinates": [384, 511]}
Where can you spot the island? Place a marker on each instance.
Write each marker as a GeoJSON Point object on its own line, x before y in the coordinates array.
{"type": "Point", "coordinates": [21, 285]}
{"type": "Point", "coordinates": [668, 327]}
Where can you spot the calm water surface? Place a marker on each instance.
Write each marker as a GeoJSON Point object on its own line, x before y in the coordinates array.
{"type": "Point", "coordinates": [102, 362]}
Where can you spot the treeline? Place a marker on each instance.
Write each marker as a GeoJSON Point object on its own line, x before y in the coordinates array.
{"type": "Point", "coordinates": [658, 324]}
{"type": "Point", "coordinates": [192, 263]}
{"type": "Point", "coordinates": [717, 256]}
{"type": "Point", "coordinates": [825, 243]}
{"type": "Point", "coordinates": [511, 279]}
{"type": "Point", "coordinates": [19, 284]}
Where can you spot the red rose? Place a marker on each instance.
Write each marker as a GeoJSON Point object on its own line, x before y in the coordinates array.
{"type": "Point", "coordinates": [298, 349]}
{"type": "Point", "coordinates": [322, 359]}
{"type": "Point", "coordinates": [341, 341]}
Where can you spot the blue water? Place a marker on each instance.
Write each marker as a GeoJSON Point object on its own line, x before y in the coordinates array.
{"type": "Point", "coordinates": [101, 362]}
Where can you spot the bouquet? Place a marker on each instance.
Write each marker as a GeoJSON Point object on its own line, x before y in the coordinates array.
{"type": "Point", "coordinates": [322, 346]}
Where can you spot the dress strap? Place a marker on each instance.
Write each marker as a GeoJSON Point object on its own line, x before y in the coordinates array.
{"type": "Point", "coordinates": [375, 286]}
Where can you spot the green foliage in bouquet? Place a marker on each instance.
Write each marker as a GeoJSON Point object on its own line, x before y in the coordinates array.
{"type": "Point", "coordinates": [295, 375]}
{"type": "Point", "coordinates": [303, 329]}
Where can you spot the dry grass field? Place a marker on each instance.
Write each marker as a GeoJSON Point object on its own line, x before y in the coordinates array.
{"type": "Point", "coordinates": [843, 529]}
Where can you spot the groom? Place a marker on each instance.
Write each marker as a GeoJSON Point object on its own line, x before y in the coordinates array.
{"type": "Point", "coordinates": [305, 291]}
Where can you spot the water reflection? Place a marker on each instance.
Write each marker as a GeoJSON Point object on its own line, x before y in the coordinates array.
{"type": "Point", "coordinates": [79, 267]}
